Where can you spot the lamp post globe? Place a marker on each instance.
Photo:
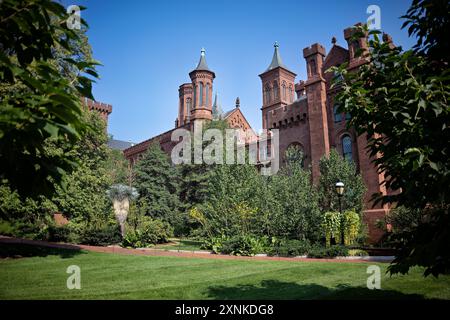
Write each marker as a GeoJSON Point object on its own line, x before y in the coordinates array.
{"type": "Point", "coordinates": [340, 188]}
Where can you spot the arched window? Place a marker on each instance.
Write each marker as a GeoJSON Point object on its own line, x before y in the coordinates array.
{"type": "Point", "coordinates": [337, 115]}
{"type": "Point", "coordinates": [206, 94]}
{"type": "Point", "coordinates": [291, 95]}
{"type": "Point", "coordinates": [347, 116]}
{"type": "Point", "coordinates": [275, 90]}
{"type": "Point", "coordinates": [195, 96]}
{"type": "Point", "coordinates": [347, 151]}
{"type": "Point", "coordinates": [188, 108]}
{"type": "Point", "coordinates": [267, 92]}
{"type": "Point", "coordinates": [284, 91]}
{"type": "Point", "coordinates": [201, 94]}
{"type": "Point", "coordinates": [295, 154]}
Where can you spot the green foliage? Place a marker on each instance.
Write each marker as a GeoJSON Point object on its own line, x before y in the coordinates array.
{"type": "Point", "coordinates": [84, 198]}
{"type": "Point", "coordinates": [100, 234]}
{"type": "Point", "coordinates": [157, 184]}
{"type": "Point", "coordinates": [294, 156]}
{"type": "Point", "coordinates": [214, 244]}
{"type": "Point", "coordinates": [290, 248]}
{"type": "Point", "coordinates": [143, 231]}
{"type": "Point", "coordinates": [331, 226]}
{"type": "Point", "coordinates": [244, 245]}
{"type": "Point", "coordinates": [334, 168]}
{"type": "Point", "coordinates": [335, 226]}
{"type": "Point", "coordinates": [42, 76]}
{"type": "Point", "coordinates": [148, 232]}
{"type": "Point", "coordinates": [194, 184]}
{"type": "Point", "coordinates": [351, 226]}
{"type": "Point", "coordinates": [400, 101]}
{"type": "Point", "coordinates": [243, 202]}
{"type": "Point", "coordinates": [238, 245]}
{"type": "Point", "coordinates": [12, 207]}
{"type": "Point", "coordinates": [403, 219]}
{"type": "Point", "coordinates": [428, 20]}
{"type": "Point", "coordinates": [118, 168]}
{"type": "Point", "coordinates": [289, 204]}
{"type": "Point", "coordinates": [357, 253]}
{"type": "Point", "coordinates": [330, 252]}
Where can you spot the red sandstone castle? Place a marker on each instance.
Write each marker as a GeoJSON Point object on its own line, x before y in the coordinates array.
{"type": "Point", "coordinates": [304, 112]}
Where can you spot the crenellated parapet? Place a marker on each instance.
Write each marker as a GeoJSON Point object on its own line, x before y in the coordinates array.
{"type": "Point", "coordinates": [103, 109]}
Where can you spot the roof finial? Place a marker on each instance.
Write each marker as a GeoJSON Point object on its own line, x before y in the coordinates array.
{"type": "Point", "coordinates": [276, 45]}
{"type": "Point", "coordinates": [203, 51]}
{"type": "Point", "coordinates": [333, 40]}
{"type": "Point", "coordinates": [238, 102]}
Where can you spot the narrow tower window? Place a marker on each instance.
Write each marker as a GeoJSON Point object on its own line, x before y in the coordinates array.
{"type": "Point", "coordinates": [201, 94]}
{"type": "Point", "coordinates": [347, 148]}
{"type": "Point", "coordinates": [267, 94]}
{"type": "Point", "coordinates": [275, 90]}
{"type": "Point", "coordinates": [207, 95]}
{"type": "Point", "coordinates": [188, 109]}
{"type": "Point", "coordinates": [195, 96]}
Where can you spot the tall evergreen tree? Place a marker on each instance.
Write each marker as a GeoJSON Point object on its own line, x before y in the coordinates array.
{"type": "Point", "coordinates": [157, 183]}
{"type": "Point", "coordinates": [195, 177]}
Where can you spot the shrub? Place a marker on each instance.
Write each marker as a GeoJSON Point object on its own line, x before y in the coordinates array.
{"type": "Point", "coordinates": [148, 232]}
{"type": "Point", "coordinates": [330, 252]}
{"type": "Point", "coordinates": [290, 248]}
{"type": "Point", "coordinates": [331, 225]}
{"type": "Point", "coordinates": [59, 233]}
{"type": "Point", "coordinates": [6, 228]}
{"type": "Point", "coordinates": [351, 227]}
{"type": "Point", "coordinates": [214, 244]}
{"type": "Point", "coordinates": [100, 235]}
{"type": "Point", "coordinates": [357, 253]}
{"type": "Point", "coordinates": [244, 245]}
{"type": "Point", "coordinates": [241, 245]}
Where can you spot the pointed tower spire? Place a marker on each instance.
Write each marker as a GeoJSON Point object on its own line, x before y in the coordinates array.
{"type": "Point", "coordinates": [217, 109]}
{"type": "Point", "coordinates": [202, 65]}
{"type": "Point", "coordinates": [276, 59]}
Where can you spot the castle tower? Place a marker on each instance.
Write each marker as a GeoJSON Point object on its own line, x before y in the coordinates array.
{"type": "Point", "coordinates": [277, 86]}
{"type": "Point", "coordinates": [315, 90]}
{"type": "Point", "coordinates": [354, 45]}
{"type": "Point", "coordinates": [185, 104]}
{"type": "Point", "coordinates": [202, 85]}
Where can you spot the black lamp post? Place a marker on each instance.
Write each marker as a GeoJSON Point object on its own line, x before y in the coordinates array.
{"type": "Point", "coordinates": [340, 187]}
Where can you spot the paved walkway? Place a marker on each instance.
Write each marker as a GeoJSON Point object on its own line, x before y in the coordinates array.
{"type": "Point", "coordinates": [179, 253]}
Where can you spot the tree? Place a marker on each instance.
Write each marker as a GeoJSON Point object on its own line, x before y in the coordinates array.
{"type": "Point", "coordinates": [293, 207]}
{"type": "Point", "coordinates": [400, 101]}
{"type": "Point", "coordinates": [195, 177]}
{"type": "Point", "coordinates": [118, 167]}
{"type": "Point", "coordinates": [83, 198]}
{"type": "Point", "coordinates": [156, 181]}
{"type": "Point", "coordinates": [334, 168]}
{"type": "Point", "coordinates": [39, 101]}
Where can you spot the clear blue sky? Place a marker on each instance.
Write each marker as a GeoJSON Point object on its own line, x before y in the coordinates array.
{"type": "Point", "coordinates": [148, 48]}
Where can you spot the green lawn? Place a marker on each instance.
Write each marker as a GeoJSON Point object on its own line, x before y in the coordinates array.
{"type": "Point", "coordinates": [180, 244]}
{"type": "Point", "coordinates": [41, 274]}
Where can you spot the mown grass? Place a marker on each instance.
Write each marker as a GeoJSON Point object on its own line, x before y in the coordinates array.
{"type": "Point", "coordinates": [42, 275]}
{"type": "Point", "coordinates": [180, 244]}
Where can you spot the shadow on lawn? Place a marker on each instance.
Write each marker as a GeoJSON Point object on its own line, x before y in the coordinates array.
{"type": "Point", "coordinates": [274, 289]}
{"type": "Point", "coordinates": [15, 251]}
